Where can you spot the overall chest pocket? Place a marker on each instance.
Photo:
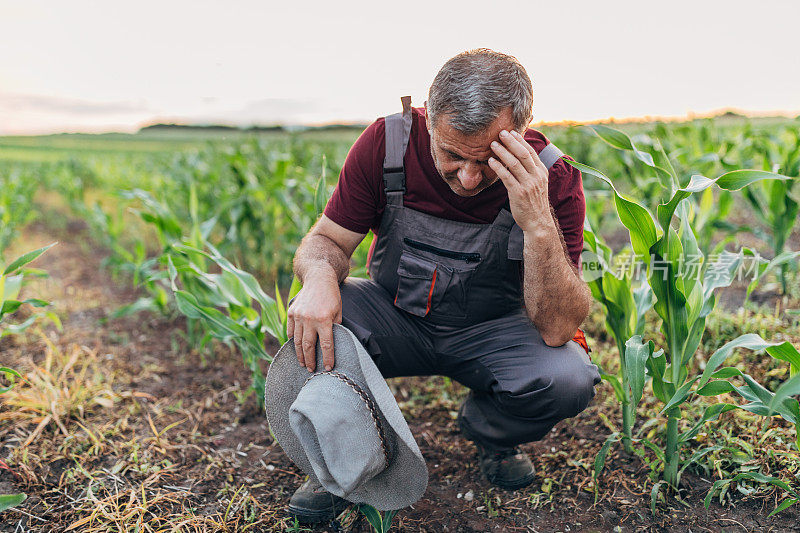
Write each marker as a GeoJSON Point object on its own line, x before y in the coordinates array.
{"type": "Point", "coordinates": [434, 280]}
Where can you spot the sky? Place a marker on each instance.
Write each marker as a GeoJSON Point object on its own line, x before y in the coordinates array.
{"type": "Point", "coordinates": [114, 66]}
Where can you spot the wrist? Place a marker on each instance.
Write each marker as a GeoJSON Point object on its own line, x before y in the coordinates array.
{"type": "Point", "coordinates": [539, 231]}
{"type": "Point", "coordinates": [323, 272]}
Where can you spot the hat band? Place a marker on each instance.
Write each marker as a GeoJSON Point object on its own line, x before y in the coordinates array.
{"type": "Point", "coordinates": [373, 409]}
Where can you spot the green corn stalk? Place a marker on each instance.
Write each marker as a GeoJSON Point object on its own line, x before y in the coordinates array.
{"type": "Point", "coordinates": [221, 305]}
{"type": "Point", "coordinates": [683, 299]}
{"type": "Point", "coordinates": [7, 501]}
{"type": "Point", "coordinates": [11, 281]}
{"type": "Point", "coordinates": [17, 188]}
{"type": "Point", "coordinates": [625, 308]}
{"type": "Point", "coordinates": [761, 401]}
{"type": "Point", "coordinates": [230, 305]}
{"type": "Point", "coordinates": [775, 203]}
{"type": "Point", "coordinates": [653, 174]}
{"type": "Point", "coordinates": [380, 523]}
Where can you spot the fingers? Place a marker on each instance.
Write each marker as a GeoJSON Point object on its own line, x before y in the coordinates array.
{"type": "Point", "coordinates": [298, 342]}
{"type": "Point", "coordinates": [514, 155]}
{"type": "Point", "coordinates": [534, 155]}
{"type": "Point", "coordinates": [508, 160]}
{"type": "Point", "coordinates": [326, 342]}
{"type": "Point", "coordinates": [504, 174]}
{"type": "Point", "coordinates": [310, 324]}
{"type": "Point", "coordinates": [309, 348]}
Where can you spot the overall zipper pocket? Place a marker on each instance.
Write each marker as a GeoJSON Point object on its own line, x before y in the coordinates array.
{"type": "Point", "coordinates": [469, 257]}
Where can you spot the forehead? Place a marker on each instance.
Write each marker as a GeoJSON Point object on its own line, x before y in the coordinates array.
{"type": "Point", "coordinates": [475, 146]}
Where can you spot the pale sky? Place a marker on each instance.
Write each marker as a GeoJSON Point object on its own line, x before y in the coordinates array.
{"type": "Point", "coordinates": [107, 65]}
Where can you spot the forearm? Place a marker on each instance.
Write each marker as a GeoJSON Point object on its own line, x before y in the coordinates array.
{"type": "Point", "coordinates": [556, 299]}
{"type": "Point", "coordinates": [319, 255]}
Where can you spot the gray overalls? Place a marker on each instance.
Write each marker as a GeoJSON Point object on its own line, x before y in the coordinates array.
{"type": "Point", "coordinates": [445, 298]}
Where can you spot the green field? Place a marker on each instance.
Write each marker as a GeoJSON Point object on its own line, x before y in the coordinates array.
{"type": "Point", "coordinates": [149, 227]}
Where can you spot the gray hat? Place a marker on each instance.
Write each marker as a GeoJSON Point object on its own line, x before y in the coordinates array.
{"type": "Point", "coordinates": [344, 428]}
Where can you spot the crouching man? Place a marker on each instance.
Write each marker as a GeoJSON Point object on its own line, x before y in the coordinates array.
{"type": "Point", "coordinates": [474, 270]}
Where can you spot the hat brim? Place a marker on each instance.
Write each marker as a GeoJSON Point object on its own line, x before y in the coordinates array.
{"type": "Point", "coordinates": [405, 479]}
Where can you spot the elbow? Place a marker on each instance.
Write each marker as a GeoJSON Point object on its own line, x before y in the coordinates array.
{"type": "Point", "coordinates": [556, 339]}
{"type": "Point", "coordinates": [559, 336]}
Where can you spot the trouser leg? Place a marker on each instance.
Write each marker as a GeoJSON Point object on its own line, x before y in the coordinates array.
{"type": "Point", "coordinates": [520, 386]}
{"type": "Point", "coordinates": [396, 343]}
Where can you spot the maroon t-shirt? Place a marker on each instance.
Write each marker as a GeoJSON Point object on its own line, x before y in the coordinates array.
{"type": "Point", "coordinates": [358, 201]}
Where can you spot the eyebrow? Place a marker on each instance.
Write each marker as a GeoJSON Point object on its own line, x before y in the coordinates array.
{"type": "Point", "coordinates": [482, 161]}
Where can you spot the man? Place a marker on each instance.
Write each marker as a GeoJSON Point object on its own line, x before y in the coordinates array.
{"type": "Point", "coordinates": [474, 270]}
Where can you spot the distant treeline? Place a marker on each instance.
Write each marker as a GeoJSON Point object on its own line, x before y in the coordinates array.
{"type": "Point", "coordinates": [249, 129]}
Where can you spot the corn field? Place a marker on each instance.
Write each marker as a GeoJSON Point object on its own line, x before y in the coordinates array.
{"type": "Point", "coordinates": [691, 246]}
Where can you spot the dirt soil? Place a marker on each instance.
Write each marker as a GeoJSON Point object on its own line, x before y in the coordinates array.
{"type": "Point", "coordinates": [177, 442]}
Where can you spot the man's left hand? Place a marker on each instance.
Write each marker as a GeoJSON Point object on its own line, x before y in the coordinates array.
{"type": "Point", "coordinates": [525, 177]}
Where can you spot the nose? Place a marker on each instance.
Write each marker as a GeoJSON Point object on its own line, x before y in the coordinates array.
{"type": "Point", "coordinates": [470, 176]}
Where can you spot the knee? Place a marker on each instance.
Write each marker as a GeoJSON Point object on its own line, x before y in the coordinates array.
{"type": "Point", "coordinates": [572, 388]}
{"type": "Point", "coordinates": [562, 390]}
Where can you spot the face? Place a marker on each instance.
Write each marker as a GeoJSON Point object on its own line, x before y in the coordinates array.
{"type": "Point", "coordinates": [463, 160]}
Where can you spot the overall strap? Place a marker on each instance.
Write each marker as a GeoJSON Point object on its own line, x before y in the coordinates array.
{"type": "Point", "coordinates": [398, 129]}
{"type": "Point", "coordinates": [550, 154]}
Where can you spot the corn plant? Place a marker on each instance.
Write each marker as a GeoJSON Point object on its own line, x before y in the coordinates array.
{"type": "Point", "coordinates": [380, 523]}
{"type": "Point", "coordinates": [216, 305]}
{"type": "Point", "coordinates": [7, 501]}
{"type": "Point", "coordinates": [761, 401]}
{"type": "Point", "coordinates": [776, 203]}
{"type": "Point", "coordinates": [684, 297]}
{"type": "Point", "coordinates": [11, 282]}
{"type": "Point", "coordinates": [223, 304]}
{"type": "Point", "coordinates": [16, 198]}
{"type": "Point", "coordinates": [625, 307]}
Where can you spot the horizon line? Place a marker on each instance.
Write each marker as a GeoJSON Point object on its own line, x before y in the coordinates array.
{"type": "Point", "coordinates": [641, 119]}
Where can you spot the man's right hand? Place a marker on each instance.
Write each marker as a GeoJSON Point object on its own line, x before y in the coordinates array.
{"type": "Point", "coordinates": [312, 314]}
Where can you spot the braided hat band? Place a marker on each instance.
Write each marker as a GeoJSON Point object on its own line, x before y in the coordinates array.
{"type": "Point", "coordinates": [373, 409]}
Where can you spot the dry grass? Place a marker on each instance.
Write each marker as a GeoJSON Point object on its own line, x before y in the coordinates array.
{"type": "Point", "coordinates": [60, 390]}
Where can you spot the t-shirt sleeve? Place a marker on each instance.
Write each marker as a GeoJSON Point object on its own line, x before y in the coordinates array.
{"type": "Point", "coordinates": [571, 209]}
{"type": "Point", "coordinates": [354, 202]}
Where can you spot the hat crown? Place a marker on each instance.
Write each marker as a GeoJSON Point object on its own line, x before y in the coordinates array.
{"type": "Point", "coordinates": [338, 425]}
{"type": "Point", "coordinates": [399, 484]}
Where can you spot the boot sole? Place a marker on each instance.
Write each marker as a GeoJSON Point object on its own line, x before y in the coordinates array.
{"type": "Point", "coordinates": [310, 516]}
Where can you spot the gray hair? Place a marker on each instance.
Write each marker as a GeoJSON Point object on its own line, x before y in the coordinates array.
{"type": "Point", "coordinates": [473, 87]}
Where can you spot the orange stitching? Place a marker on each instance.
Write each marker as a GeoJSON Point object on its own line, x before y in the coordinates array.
{"type": "Point", "coordinates": [430, 292]}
